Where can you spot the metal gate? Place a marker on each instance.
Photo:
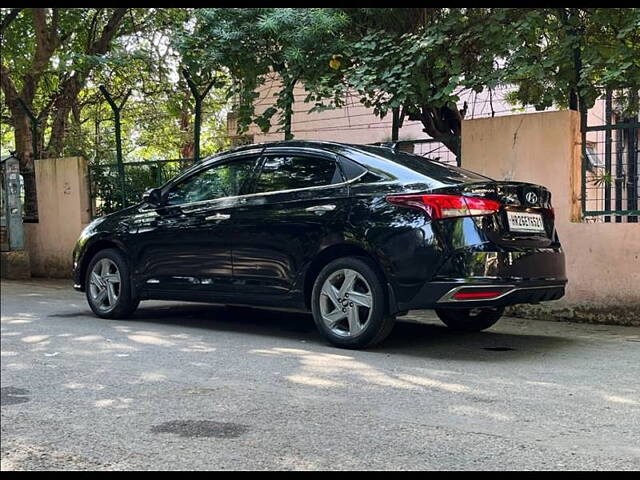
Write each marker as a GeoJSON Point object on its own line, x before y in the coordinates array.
{"type": "Point", "coordinates": [610, 161]}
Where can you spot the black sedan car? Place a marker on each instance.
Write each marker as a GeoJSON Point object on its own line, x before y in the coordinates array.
{"type": "Point", "coordinates": [356, 234]}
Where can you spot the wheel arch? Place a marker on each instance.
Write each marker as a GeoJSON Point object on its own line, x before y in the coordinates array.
{"type": "Point", "coordinates": [92, 249]}
{"type": "Point", "coordinates": [336, 251]}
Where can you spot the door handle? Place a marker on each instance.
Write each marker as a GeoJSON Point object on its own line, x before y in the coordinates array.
{"type": "Point", "coordinates": [321, 208]}
{"type": "Point", "coordinates": [218, 217]}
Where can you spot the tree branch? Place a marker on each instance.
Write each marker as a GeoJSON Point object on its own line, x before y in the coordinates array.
{"type": "Point", "coordinates": [101, 46]}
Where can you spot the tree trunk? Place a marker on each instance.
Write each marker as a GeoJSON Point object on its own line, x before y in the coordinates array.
{"type": "Point", "coordinates": [62, 108]}
{"type": "Point", "coordinates": [72, 86]}
{"type": "Point", "coordinates": [288, 109]}
{"type": "Point", "coordinates": [441, 123]}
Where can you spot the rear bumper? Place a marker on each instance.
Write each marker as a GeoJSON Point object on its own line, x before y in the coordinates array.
{"type": "Point", "coordinates": [441, 294]}
{"type": "Point", "coordinates": [523, 276]}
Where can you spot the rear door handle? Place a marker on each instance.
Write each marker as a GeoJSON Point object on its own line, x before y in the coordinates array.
{"type": "Point", "coordinates": [218, 217]}
{"type": "Point", "coordinates": [321, 208]}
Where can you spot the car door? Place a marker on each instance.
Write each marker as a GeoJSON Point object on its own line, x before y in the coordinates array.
{"type": "Point", "coordinates": [299, 201]}
{"type": "Point", "coordinates": [184, 245]}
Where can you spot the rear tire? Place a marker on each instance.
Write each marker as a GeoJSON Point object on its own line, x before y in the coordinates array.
{"type": "Point", "coordinates": [469, 319]}
{"type": "Point", "coordinates": [108, 285]}
{"type": "Point", "coordinates": [349, 304]}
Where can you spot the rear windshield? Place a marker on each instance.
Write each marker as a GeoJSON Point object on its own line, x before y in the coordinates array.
{"type": "Point", "coordinates": [424, 166]}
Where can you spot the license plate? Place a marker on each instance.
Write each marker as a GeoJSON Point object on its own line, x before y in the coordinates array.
{"type": "Point", "coordinates": [525, 222]}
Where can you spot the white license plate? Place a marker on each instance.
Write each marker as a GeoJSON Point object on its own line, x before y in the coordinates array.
{"type": "Point", "coordinates": [525, 222]}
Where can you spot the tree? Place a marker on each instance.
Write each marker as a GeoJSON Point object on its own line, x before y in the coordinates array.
{"type": "Point", "coordinates": [563, 55]}
{"type": "Point", "coordinates": [419, 60]}
{"type": "Point", "coordinates": [48, 57]}
{"type": "Point", "coordinates": [253, 43]}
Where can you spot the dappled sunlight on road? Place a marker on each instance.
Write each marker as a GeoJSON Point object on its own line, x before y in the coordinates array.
{"type": "Point", "coordinates": [428, 382]}
{"type": "Point", "coordinates": [35, 338]}
{"type": "Point", "coordinates": [326, 370]}
{"type": "Point", "coordinates": [118, 403]}
{"type": "Point", "coordinates": [314, 381]}
{"type": "Point", "coordinates": [623, 400]}
{"type": "Point", "coordinates": [153, 377]}
{"type": "Point", "coordinates": [19, 318]}
{"type": "Point", "coordinates": [83, 386]}
{"type": "Point", "coordinates": [150, 339]}
{"type": "Point", "coordinates": [198, 349]}
{"type": "Point", "coordinates": [89, 338]}
{"type": "Point", "coordinates": [469, 411]}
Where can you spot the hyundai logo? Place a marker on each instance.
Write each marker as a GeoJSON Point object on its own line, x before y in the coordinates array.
{"type": "Point", "coordinates": [531, 197]}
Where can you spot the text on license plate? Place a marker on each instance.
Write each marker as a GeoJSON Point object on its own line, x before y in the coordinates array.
{"type": "Point", "coordinates": [525, 222]}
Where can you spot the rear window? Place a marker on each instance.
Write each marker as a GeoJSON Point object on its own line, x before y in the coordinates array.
{"type": "Point", "coordinates": [424, 166]}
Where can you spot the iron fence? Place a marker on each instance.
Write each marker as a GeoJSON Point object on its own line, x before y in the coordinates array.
{"type": "Point", "coordinates": [434, 149]}
{"type": "Point", "coordinates": [108, 194]}
{"type": "Point", "coordinates": [610, 163]}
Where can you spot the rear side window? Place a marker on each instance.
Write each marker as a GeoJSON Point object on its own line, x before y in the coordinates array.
{"type": "Point", "coordinates": [290, 172]}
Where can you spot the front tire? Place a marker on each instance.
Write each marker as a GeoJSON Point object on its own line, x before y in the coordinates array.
{"type": "Point", "coordinates": [349, 304]}
{"type": "Point", "coordinates": [470, 319]}
{"type": "Point", "coordinates": [108, 285]}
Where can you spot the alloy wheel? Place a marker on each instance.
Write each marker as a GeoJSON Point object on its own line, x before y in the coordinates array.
{"type": "Point", "coordinates": [346, 302]}
{"type": "Point", "coordinates": [104, 285]}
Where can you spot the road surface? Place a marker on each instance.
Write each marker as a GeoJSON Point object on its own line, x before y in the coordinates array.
{"type": "Point", "coordinates": [193, 386]}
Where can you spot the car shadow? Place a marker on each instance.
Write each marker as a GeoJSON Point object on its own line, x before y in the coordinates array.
{"type": "Point", "coordinates": [424, 338]}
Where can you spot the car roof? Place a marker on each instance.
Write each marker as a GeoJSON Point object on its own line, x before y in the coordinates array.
{"type": "Point", "coordinates": [316, 144]}
{"type": "Point", "coordinates": [364, 156]}
{"type": "Point", "coordinates": [375, 158]}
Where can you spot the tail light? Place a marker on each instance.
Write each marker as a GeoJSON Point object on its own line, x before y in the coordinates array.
{"type": "Point", "coordinates": [446, 206]}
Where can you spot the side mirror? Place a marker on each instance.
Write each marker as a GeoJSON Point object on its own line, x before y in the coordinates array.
{"type": "Point", "coordinates": [153, 196]}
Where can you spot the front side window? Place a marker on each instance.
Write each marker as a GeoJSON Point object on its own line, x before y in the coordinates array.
{"type": "Point", "coordinates": [290, 172]}
{"type": "Point", "coordinates": [219, 181]}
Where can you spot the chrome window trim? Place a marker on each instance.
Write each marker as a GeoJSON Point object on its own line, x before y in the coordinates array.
{"type": "Point", "coordinates": [247, 195]}
{"type": "Point", "coordinates": [261, 152]}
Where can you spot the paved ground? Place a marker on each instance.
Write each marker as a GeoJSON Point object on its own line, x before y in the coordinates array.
{"type": "Point", "coordinates": [190, 386]}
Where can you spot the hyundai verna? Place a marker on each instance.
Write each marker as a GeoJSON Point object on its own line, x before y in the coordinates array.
{"type": "Point", "coordinates": [356, 234]}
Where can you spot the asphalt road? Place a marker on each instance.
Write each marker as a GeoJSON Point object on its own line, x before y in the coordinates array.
{"type": "Point", "coordinates": [192, 386]}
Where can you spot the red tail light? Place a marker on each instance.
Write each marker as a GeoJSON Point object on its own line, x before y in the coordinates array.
{"type": "Point", "coordinates": [446, 206]}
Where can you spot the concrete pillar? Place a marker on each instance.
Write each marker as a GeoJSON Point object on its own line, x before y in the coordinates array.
{"type": "Point", "coordinates": [63, 208]}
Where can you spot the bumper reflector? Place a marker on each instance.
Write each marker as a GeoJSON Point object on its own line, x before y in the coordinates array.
{"type": "Point", "coordinates": [476, 295]}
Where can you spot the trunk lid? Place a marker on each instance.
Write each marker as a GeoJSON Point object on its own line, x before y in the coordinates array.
{"type": "Point", "coordinates": [526, 217]}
